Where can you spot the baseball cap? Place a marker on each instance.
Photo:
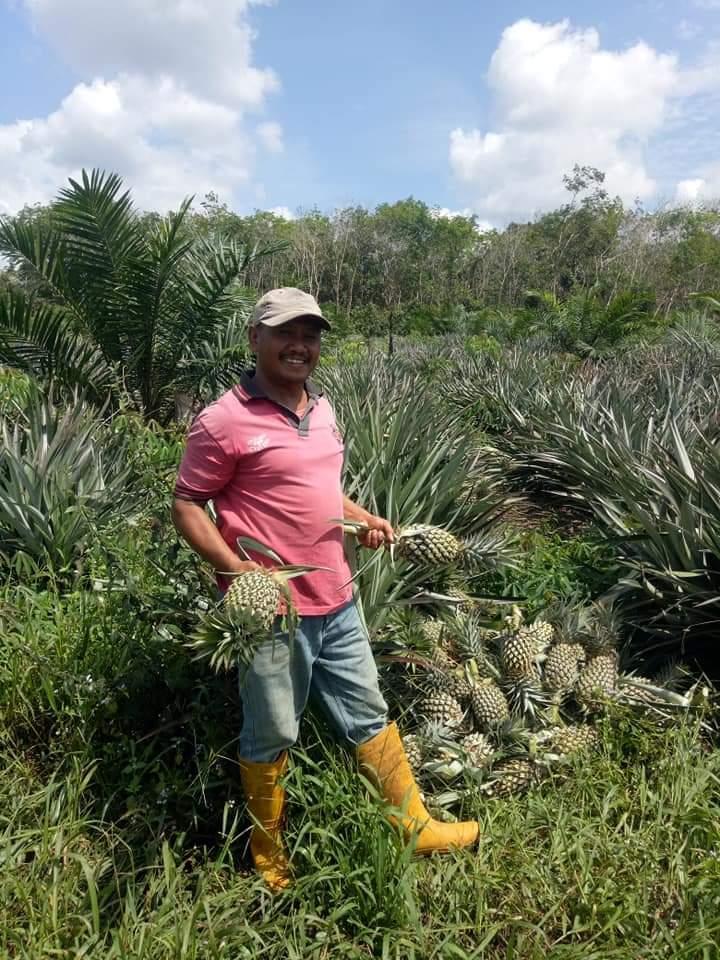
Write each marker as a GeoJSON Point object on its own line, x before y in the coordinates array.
{"type": "Point", "coordinates": [284, 304]}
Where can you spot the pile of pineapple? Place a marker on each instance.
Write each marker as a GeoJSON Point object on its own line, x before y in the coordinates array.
{"type": "Point", "coordinates": [505, 704]}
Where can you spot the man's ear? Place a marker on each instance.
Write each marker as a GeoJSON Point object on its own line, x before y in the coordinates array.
{"type": "Point", "coordinates": [253, 338]}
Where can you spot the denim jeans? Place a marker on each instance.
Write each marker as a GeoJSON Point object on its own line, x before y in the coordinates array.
{"type": "Point", "coordinates": [328, 659]}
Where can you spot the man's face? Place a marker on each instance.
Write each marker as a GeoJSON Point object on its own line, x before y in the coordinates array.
{"type": "Point", "coordinates": [287, 354]}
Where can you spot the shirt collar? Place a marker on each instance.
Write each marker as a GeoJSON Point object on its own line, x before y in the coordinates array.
{"type": "Point", "coordinates": [251, 389]}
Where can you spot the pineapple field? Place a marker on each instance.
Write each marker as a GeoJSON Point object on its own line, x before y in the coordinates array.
{"type": "Point", "coordinates": [545, 628]}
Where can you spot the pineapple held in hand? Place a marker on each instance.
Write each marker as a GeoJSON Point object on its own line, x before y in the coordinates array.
{"type": "Point", "coordinates": [427, 546]}
{"type": "Point", "coordinates": [231, 633]}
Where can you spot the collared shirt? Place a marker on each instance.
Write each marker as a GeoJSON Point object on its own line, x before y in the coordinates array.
{"type": "Point", "coordinates": [276, 477]}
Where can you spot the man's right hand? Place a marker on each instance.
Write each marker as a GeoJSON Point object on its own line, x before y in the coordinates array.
{"type": "Point", "coordinates": [242, 566]}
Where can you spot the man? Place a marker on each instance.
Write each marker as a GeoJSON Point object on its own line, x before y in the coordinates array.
{"type": "Point", "coordinates": [269, 454]}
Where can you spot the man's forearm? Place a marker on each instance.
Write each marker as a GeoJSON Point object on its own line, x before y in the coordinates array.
{"type": "Point", "coordinates": [195, 526]}
{"type": "Point", "coordinates": [353, 511]}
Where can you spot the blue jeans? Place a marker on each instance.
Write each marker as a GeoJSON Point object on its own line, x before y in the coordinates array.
{"type": "Point", "coordinates": [329, 659]}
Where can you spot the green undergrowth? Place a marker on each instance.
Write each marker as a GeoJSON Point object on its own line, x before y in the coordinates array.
{"type": "Point", "coordinates": [551, 566]}
{"type": "Point", "coordinates": [619, 858]}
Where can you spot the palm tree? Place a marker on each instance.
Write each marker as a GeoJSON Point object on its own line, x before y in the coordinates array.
{"type": "Point", "coordinates": [112, 302]}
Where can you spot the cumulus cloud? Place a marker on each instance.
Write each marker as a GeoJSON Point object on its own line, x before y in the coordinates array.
{"type": "Point", "coordinates": [271, 136]}
{"type": "Point", "coordinates": [170, 85]}
{"type": "Point", "coordinates": [445, 213]}
{"type": "Point", "coordinates": [285, 213]}
{"type": "Point", "coordinates": [562, 99]}
{"type": "Point", "coordinates": [700, 190]}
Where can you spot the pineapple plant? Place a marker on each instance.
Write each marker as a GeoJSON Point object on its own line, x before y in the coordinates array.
{"type": "Point", "coordinates": [526, 698]}
{"type": "Point", "coordinates": [470, 637]}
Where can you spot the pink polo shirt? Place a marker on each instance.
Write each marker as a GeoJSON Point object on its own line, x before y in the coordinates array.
{"type": "Point", "coordinates": [274, 477]}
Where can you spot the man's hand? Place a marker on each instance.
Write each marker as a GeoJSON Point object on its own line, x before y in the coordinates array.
{"type": "Point", "coordinates": [380, 533]}
{"type": "Point", "coordinates": [242, 566]}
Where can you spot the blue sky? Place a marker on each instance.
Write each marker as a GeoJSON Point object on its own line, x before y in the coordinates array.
{"type": "Point", "coordinates": [470, 106]}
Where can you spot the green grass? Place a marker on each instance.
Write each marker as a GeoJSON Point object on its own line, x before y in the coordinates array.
{"type": "Point", "coordinates": [620, 859]}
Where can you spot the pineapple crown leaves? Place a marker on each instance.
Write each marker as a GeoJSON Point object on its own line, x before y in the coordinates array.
{"type": "Point", "coordinates": [284, 571]}
{"type": "Point", "coordinates": [526, 698]}
{"type": "Point", "coordinates": [221, 637]}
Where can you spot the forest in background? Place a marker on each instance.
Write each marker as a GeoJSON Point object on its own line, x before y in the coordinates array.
{"type": "Point", "coordinates": [409, 268]}
{"type": "Point", "coordinates": [431, 273]}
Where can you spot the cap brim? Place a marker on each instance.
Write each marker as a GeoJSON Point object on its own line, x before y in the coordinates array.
{"type": "Point", "coordinates": [289, 315]}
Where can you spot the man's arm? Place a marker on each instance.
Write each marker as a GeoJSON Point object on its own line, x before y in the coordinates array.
{"type": "Point", "coordinates": [380, 531]}
{"type": "Point", "coordinates": [192, 522]}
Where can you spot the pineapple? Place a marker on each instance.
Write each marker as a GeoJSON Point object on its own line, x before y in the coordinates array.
{"type": "Point", "coordinates": [640, 691]}
{"type": "Point", "coordinates": [597, 680]}
{"type": "Point", "coordinates": [443, 710]}
{"type": "Point", "coordinates": [489, 705]}
{"type": "Point", "coordinates": [478, 748]}
{"type": "Point", "coordinates": [232, 631]}
{"type": "Point", "coordinates": [525, 698]}
{"type": "Point", "coordinates": [424, 545]}
{"type": "Point", "coordinates": [542, 632]}
{"type": "Point", "coordinates": [256, 592]}
{"type": "Point", "coordinates": [433, 630]}
{"type": "Point", "coordinates": [441, 659]}
{"type": "Point", "coordinates": [512, 776]}
{"type": "Point", "coordinates": [522, 649]}
{"type": "Point", "coordinates": [413, 751]}
{"type": "Point", "coordinates": [571, 739]}
{"type": "Point", "coordinates": [562, 666]}
{"type": "Point", "coordinates": [453, 682]}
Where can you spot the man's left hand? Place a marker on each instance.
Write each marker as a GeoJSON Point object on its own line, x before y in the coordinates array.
{"type": "Point", "coordinates": [380, 533]}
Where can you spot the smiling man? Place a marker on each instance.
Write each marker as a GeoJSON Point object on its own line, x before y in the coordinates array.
{"type": "Point", "coordinates": [269, 454]}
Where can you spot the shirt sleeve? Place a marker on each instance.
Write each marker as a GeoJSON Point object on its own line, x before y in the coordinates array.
{"type": "Point", "coordinates": [206, 467]}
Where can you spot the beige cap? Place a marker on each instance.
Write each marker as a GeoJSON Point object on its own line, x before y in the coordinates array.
{"type": "Point", "coordinates": [284, 304]}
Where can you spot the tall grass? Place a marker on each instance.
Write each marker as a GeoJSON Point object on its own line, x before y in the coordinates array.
{"type": "Point", "coordinates": [619, 859]}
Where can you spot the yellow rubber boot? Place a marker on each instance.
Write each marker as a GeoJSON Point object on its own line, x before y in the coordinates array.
{"type": "Point", "coordinates": [383, 761]}
{"type": "Point", "coordinates": [266, 805]}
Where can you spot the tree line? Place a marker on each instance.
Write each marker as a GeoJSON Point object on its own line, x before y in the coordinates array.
{"type": "Point", "coordinates": [408, 262]}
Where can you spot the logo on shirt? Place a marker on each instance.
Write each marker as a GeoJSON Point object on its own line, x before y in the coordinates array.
{"type": "Point", "coordinates": [257, 443]}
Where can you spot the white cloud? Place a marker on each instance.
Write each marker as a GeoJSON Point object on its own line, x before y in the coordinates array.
{"type": "Point", "coordinates": [688, 191]}
{"type": "Point", "coordinates": [285, 213]}
{"type": "Point", "coordinates": [169, 87]}
{"type": "Point", "coordinates": [271, 136]}
{"type": "Point", "coordinates": [703, 189]}
{"type": "Point", "coordinates": [561, 99]}
{"type": "Point", "coordinates": [445, 213]}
